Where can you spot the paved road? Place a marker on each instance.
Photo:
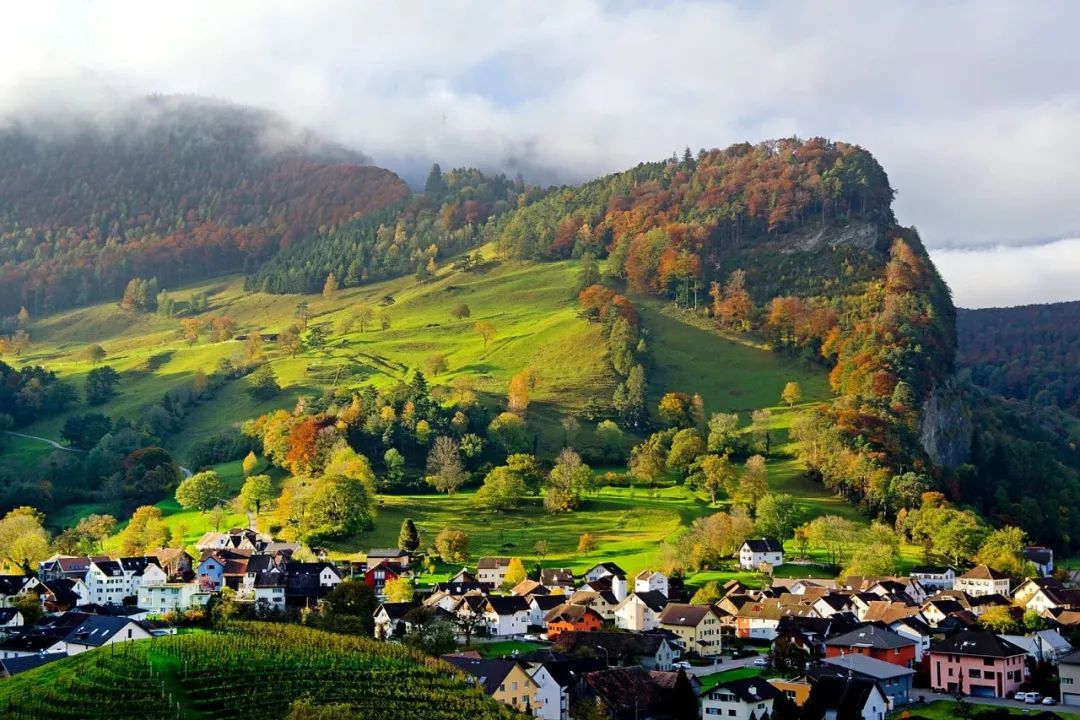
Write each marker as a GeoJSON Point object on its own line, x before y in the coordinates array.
{"type": "Point", "coordinates": [996, 702]}
{"type": "Point", "coordinates": [65, 448]}
{"type": "Point", "coordinates": [722, 666]}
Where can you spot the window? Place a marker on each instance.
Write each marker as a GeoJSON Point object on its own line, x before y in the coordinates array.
{"type": "Point", "coordinates": [975, 673]}
{"type": "Point", "coordinates": [1066, 681]}
{"type": "Point", "coordinates": [988, 661]}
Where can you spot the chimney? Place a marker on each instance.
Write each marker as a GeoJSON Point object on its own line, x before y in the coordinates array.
{"type": "Point", "coordinates": [618, 587]}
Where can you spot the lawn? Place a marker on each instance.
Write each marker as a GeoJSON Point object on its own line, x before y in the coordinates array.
{"type": "Point", "coordinates": [506, 648]}
{"type": "Point", "coordinates": [710, 681]}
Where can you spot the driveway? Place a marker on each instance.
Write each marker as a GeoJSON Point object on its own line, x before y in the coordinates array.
{"type": "Point", "coordinates": [996, 702]}
{"type": "Point", "coordinates": [722, 666]}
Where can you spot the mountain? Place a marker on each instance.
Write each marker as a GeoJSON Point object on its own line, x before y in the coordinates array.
{"type": "Point", "coordinates": [1029, 353]}
{"type": "Point", "coordinates": [176, 188]}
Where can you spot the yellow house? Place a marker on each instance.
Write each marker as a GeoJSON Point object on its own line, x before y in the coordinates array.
{"type": "Point", "coordinates": [797, 690]}
{"type": "Point", "coordinates": [698, 627]}
{"type": "Point", "coordinates": [507, 681]}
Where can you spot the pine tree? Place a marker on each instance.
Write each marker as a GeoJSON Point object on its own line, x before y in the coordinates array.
{"type": "Point", "coordinates": [409, 536]}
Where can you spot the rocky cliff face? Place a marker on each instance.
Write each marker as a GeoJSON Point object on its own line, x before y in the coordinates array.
{"type": "Point", "coordinates": [945, 428]}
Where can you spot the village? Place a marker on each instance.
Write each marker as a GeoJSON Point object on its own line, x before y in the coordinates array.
{"type": "Point", "coordinates": [560, 645]}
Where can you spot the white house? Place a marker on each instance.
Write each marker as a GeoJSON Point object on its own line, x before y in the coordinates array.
{"type": "Point", "coordinates": [554, 682]}
{"type": "Point", "coordinates": [10, 618]}
{"type": "Point", "coordinates": [541, 605]}
{"type": "Point", "coordinates": [651, 580]}
{"type": "Point", "coordinates": [1041, 557]}
{"type": "Point", "coordinates": [13, 587]}
{"type": "Point", "coordinates": [934, 577]}
{"type": "Point", "coordinates": [138, 570]}
{"type": "Point", "coordinates": [640, 611]}
{"type": "Point", "coordinates": [745, 699]}
{"type": "Point", "coordinates": [100, 630]}
{"type": "Point", "coordinates": [983, 580]}
{"type": "Point", "coordinates": [106, 583]}
{"type": "Point", "coordinates": [492, 570]}
{"type": "Point", "coordinates": [1042, 646]}
{"type": "Point", "coordinates": [603, 570]}
{"type": "Point", "coordinates": [914, 628]}
{"type": "Point", "coordinates": [167, 597]}
{"type": "Point", "coordinates": [762, 550]}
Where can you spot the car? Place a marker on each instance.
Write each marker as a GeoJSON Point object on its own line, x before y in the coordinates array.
{"type": "Point", "coordinates": [682, 664]}
{"type": "Point", "coordinates": [1032, 698]}
{"type": "Point", "coordinates": [532, 638]}
{"type": "Point", "coordinates": [761, 662]}
{"type": "Point", "coordinates": [1049, 701]}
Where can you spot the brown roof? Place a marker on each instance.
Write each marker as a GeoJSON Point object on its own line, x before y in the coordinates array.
{"type": "Point", "coordinates": [888, 612]}
{"type": "Point", "coordinates": [528, 587]}
{"type": "Point", "coordinates": [682, 614]}
{"type": "Point", "coordinates": [568, 612]}
{"type": "Point", "coordinates": [984, 572]}
{"type": "Point", "coordinates": [492, 563]}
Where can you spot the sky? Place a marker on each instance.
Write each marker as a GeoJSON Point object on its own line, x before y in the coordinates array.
{"type": "Point", "coordinates": [971, 107]}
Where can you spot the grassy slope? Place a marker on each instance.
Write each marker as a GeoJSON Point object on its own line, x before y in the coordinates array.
{"type": "Point", "coordinates": [533, 307]}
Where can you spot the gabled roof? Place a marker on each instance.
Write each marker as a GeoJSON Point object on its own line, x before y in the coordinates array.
{"type": "Point", "coordinates": [886, 611]}
{"type": "Point", "coordinates": [749, 690]}
{"type": "Point", "coordinates": [96, 630]}
{"type": "Point", "coordinates": [490, 673]}
{"type": "Point", "coordinates": [1072, 658]}
{"type": "Point", "coordinates": [867, 666]}
{"type": "Point", "coordinates": [653, 599]}
{"type": "Point", "coordinates": [568, 612]}
{"type": "Point", "coordinates": [387, 553]}
{"type": "Point", "coordinates": [30, 641]}
{"type": "Point", "coordinates": [625, 689]}
{"type": "Point", "coordinates": [309, 568]}
{"type": "Point", "coordinates": [931, 570]}
{"type": "Point", "coordinates": [459, 588]}
{"type": "Point", "coordinates": [610, 567]}
{"type": "Point", "coordinates": [507, 604]}
{"type": "Point", "coordinates": [983, 572]}
{"type": "Point", "coordinates": [871, 636]}
{"type": "Point", "coordinates": [547, 602]}
{"type": "Point", "coordinates": [529, 587]}
{"type": "Point", "coordinates": [1039, 555]}
{"type": "Point", "coordinates": [557, 576]}
{"type": "Point", "coordinates": [569, 672]}
{"type": "Point", "coordinates": [981, 643]}
{"type": "Point", "coordinates": [138, 565]}
{"type": "Point", "coordinates": [760, 545]}
{"type": "Point", "coordinates": [492, 563]}
{"type": "Point", "coordinates": [109, 568]}
{"type": "Point", "coordinates": [683, 614]}
{"type": "Point", "coordinates": [396, 610]}
{"type": "Point", "coordinates": [16, 665]}
{"type": "Point", "coordinates": [847, 696]}
{"type": "Point", "coordinates": [617, 644]}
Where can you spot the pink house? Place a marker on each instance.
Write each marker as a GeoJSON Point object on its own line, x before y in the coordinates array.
{"type": "Point", "coordinates": [977, 663]}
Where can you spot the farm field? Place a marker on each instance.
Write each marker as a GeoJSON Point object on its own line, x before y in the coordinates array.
{"type": "Point", "coordinates": [255, 670]}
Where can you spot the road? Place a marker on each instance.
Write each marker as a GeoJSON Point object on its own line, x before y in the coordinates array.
{"type": "Point", "coordinates": [996, 702]}
{"type": "Point", "coordinates": [186, 473]}
{"type": "Point", "coordinates": [722, 667]}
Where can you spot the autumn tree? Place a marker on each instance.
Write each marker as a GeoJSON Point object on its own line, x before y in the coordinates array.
{"type": "Point", "coordinates": [775, 515]}
{"type": "Point", "coordinates": [452, 545]}
{"type": "Point", "coordinates": [503, 489]}
{"type": "Point", "coordinates": [190, 329]}
{"type": "Point", "coordinates": [760, 422]}
{"type": "Point", "coordinates": [23, 541]}
{"type": "Point", "coordinates": [724, 436]}
{"type": "Point", "coordinates": [998, 620]}
{"type": "Point", "coordinates": [754, 482]}
{"type": "Point", "coordinates": [365, 315]}
{"type": "Point", "coordinates": [586, 544]}
{"type": "Point", "coordinates": [257, 491]}
{"type": "Point", "coordinates": [201, 491]}
{"type": "Point", "coordinates": [567, 483]}
{"type": "Point", "coordinates": [515, 573]}
{"type": "Point", "coordinates": [460, 311]}
{"type": "Point", "coordinates": [289, 341]}
{"type": "Point", "coordinates": [716, 474]}
{"type": "Point", "coordinates": [330, 287]}
{"type": "Point", "coordinates": [436, 364]}
{"type": "Point", "coordinates": [399, 590]}
{"type": "Point", "coordinates": [1003, 550]}
{"type": "Point", "coordinates": [445, 471]}
{"type": "Point", "coordinates": [791, 394]}
{"type": "Point", "coordinates": [517, 397]}
{"type": "Point", "coordinates": [343, 501]}
{"type": "Point", "coordinates": [686, 446]}
{"type": "Point", "coordinates": [732, 305]}
{"type": "Point", "coordinates": [250, 463]}
{"type": "Point", "coordinates": [302, 313]}
{"type": "Point", "coordinates": [93, 354]}
{"type": "Point", "coordinates": [145, 531]}
{"type": "Point", "coordinates": [485, 330]}
{"type": "Point", "coordinates": [508, 433]}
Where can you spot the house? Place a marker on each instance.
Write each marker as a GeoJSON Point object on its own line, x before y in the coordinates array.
{"type": "Point", "coordinates": [553, 578]}
{"type": "Point", "coordinates": [63, 594]}
{"type": "Point", "coordinates": [983, 580]}
{"type": "Point", "coordinates": [1069, 672]}
{"type": "Point", "coordinates": [760, 619]}
{"type": "Point", "coordinates": [141, 569]}
{"type": "Point", "coordinates": [394, 556]}
{"type": "Point", "coordinates": [175, 562]}
{"type": "Point", "coordinates": [27, 643]}
{"type": "Point", "coordinates": [326, 575]}
{"type": "Point", "coordinates": [100, 630]}
{"type": "Point", "coordinates": [1041, 557]}
{"type": "Point", "coordinates": [755, 553]}
{"type": "Point", "coordinates": [569, 617]}
{"type": "Point", "coordinates": [63, 566]}
{"type": "Point", "coordinates": [651, 581]}
{"type": "Point", "coordinates": [1042, 596]}
{"type": "Point", "coordinates": [505, 616]}
{"type": "Point", "coordinates": [463, 576]}
{"type": "Point", "coordinates": [14, 666]}
{"type": "Point", "coordinates": [378, 575]}
{"type": "Point", "coordinates": [558, 682]}
{"type": "Point", "coordinates": [10, 618]}
{"type": "Point", "coordinates": [833, 603]}
{"type": "Point", "coordinates": [976, 662]}
{"type": "Point", "coordinates": [848, 698]}
{"type": "Point", "coordinates": [603, 602]}
{"type": "Point", "coordinates": [508, 681]}
{"type": "Point", "coordinates": [934, 577]}
{"type": "Point", "coordinates": [233, 539]}
{"type": "Point", "coordinates": [640, 611]}
{"type": "Point", "coordinates": [106, 582]}
{"type": "Point", "coordinates": [527, 587]}
{"type": "Point", "coordinates": [894, 681]}
{"type": "Point", "coordinates": [937, 610]}
{"type": "Point", "coordinates": [13, 587]}
{"type": "Point", "coordinates": [652, 651]}
{"type": "Point", "coordinates": [745, 699]}
{"type": "Point", "coordinates": [1042, 646]}
{"type": "Point", "coordinates": [697, 627]}
{"type": "Point", "coordinates": [873, 641]}
{"type": "Point", "coordinates": [492, 570]}
{"type": "Point", "coordinates": [603, 570]}
{"type": "Point", "coordinates": [887, 611]}
{"type": "Point", "coordinates": [540, 606]}
{"type": "Point", "coordinates": [172, 597]}
{"type": "Point", "coordinates": [917, 631]}
{"type": "Point", "coordinates": [390, 618]}
{"type": "Point", "coordinates": [796, 690]}
{"type": "Point", "coordinates": [216, 568]}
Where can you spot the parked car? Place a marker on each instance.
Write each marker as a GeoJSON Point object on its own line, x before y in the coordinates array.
{"type": "Point", "coordinates": [761, 662]}
{"type": "Point", "coordinates": [532, 638]}
{"type": "Point", "coordinates": [685, 665]}
{"type": "Point", "coordinates": [1049, 701]}
{"type": "Point", "coordinates": [1032, 698]}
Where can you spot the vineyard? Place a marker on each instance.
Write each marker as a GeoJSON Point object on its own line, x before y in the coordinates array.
{"type": "Point", "coordinates": [251, 671]}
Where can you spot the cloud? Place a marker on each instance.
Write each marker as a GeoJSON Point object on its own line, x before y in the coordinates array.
{"type": "Point", "coordinates": [971, 106]}
{"type": "Point", "coordinates": [1006, 276]}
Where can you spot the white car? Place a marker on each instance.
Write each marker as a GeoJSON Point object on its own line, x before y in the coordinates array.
{"type": "Point", "coordinates": [761, 662]}
{"type": "Point", "coordinates": [682, 664]}
{"type": "Point", "coordinates": [1049, 701]}
{"type": "Point", "coordinates": [1032, 698]}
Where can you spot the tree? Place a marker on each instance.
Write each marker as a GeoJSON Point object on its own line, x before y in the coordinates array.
{"type": "Point", "coordinates": [289, 341]}
{"type": "Point", "coordinates": [775, 516]}
{"type": "Point", "coordinates": [754, 483]}
{"type": "Point", "coordinates": [723, 435]}
{"type": "Point", "coordinates": [23, 318]}
{"type": "Point", "coordinates": [586, 544]}
{"type": "Point", "coordinates": [674, 409]}
{"type": "Point", "coordinates": [302, 313]}
{"type": "Point", "coordinates": [452, 545]}
{"type": "Point", "coordinates": [759, 428]}
{"type": "Point", "coordinates": [93, 354]}
{"type": "Point", "coordinates": [384, 321]}
{"type": "Point", "coordinates": [85, 431]}
{"type": "Point", "coordinates": [507, 432]}
{"type": "Point", "coordinates": [1003, 550]}
{"type": "Point", "coordinates": [791, 394]}
{"type": "Point", "coordinates": [648, 459]}
{"type": "Point", "coordinates": [835, 536]}
{"type": "Point", "coordinates": [541, 548]}
{"type": "Point", "coordinates": [515, 573]}
{"type": "Point", "coordinates": [612, 440]}
{"type": "Point", "coordinates": [364, 316]}
{"type": "Point", "coordinates": [712, 540]}
{"type": "Point", "coordinates": [998, 619]}
{"type": "Point", "coordinates": [707, 594]}
{"type": "Point", "coordinates": [436, 364]}
{"type": "Point", "coordinates": [485, 330]}
{"type": "Point", "coordinates": [343, 502]}
{"type": "Point", "coordinates": [250, 463]}
{"type": "Point", "coordinates": [101, 385]}
{"type": "Point", "coordinates": [93, 530]}
{"type": "Point", "coordinates": [717, 473]}
{"type": "Point", "coordinates": [517, 396]}
{"type": "Point", "coordinates": [395, 464]}
{"type": "Point", "coordinates": [445, 471]}
{"type": "Point", "coordinates": [353, 598]}
{"type": "Point", "coordinates": [263, 383]}
{"type": "Point", "coordinates": [190, 329]}
{"type": "Point", "coordinates": [432, 636]}
{"type": "Point", "coordinates": [460, 311]}
{"type": "Point", "coordinates": [144, 532]}
{"type": "Point", "coordinates": [567, 482]}
{"type": "Point", "coordinates": [408, 536]}
{"type": "Point", "coordinates": [399, 590]}
{"type": "Point", "coordinates": [503, 489]}
{"type": "Point", "coordinates": [201, 491]}
{"type": "Point", "coordinates": [257, 491]}
{"type": "Point", "coordinates": [330, 287]}
{"type": "Point", "coordinates": [570, 425]}
{"type": "Point", "coordinates": [686, 446]}
{"type": "Point", "coordinates": [528, 469]}
{"type": "Point", "coordinates": [23, 541]}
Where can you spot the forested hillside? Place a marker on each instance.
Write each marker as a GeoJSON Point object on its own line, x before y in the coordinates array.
{"type": "Point", "coordinates": [173, 188]}
{"type": "Point", "coordinates": [1027, 353]}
